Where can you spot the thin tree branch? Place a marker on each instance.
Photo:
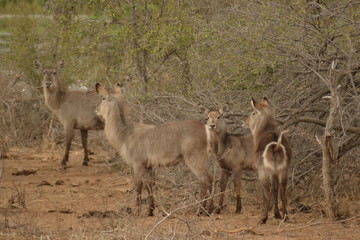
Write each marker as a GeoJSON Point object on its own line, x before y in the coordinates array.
{"type": "Point", "coordinates": [354, 141]}
{"type": "Point", "coordinates": [318, 122]}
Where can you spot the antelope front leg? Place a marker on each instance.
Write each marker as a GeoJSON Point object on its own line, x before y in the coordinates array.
{"type": "Point", "coordinates": [69, 134]}
{"type": "Point", "coordinates": [198, 165]}
{"type": "Point", "coordinates": [237, 186]}
{"type": "Point", "coordinates": [149, 183]}
{"type": "Point", "coordinates": [139, 172]}
{"type": "Point", "coordinates": [225, 174]}
{"type": "Point", "coordinates": [84, 136]}
{"type": "Point", "coordinates": [138, 188]}
{"type": "Point", "coordinates": [209, 204]}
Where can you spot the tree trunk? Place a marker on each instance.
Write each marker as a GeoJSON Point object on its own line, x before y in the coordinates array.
{"type": "Point", "coordinates": [140, 55]}
{"type": "Point", "coordinates": [329, 156]}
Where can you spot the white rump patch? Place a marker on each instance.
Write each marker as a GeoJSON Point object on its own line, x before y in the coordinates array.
{"type": "Point", "coordinates": [271, 164]}
{"type": "Point", "coordinates": [283, 163]}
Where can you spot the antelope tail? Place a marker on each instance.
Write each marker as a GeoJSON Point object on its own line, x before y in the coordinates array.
{"type": "Point", "coordinates": [272, 162]}
{"type": "Point", "coordinates": [277, 147]}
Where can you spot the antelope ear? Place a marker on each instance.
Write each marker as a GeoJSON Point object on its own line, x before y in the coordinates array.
{"type": "Point", "coordinates": [224, 109]}
{"type": "Point", "coordinates": [253, 102]}
{"type": "Point", "coordinates": [202, 109]}
{"type": "Point", "coordinates": [38, 65]}
{"type": "Point", "coordinates": [118, 87]}
{"type": "Point", "coordinates": [101, 90]}
{"type": "Point", "coordinates": [266, 102]}
{"type": "Point", "coordinates": [256, 106]}
{"type": "Point", "coordinates": [60, 65]}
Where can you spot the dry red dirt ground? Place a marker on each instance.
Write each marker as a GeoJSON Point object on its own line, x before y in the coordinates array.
{"type": "Point", "coordinates": [39, 200]}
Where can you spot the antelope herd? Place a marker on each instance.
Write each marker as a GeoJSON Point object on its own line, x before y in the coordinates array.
{"type": "Point", "coordinates": [265, 150]}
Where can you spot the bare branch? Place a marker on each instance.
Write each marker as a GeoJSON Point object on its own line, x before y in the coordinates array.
{"type": "Point", "coordinates": [352, 142]}
{"type": "Point", "coordinates": [319, 122]}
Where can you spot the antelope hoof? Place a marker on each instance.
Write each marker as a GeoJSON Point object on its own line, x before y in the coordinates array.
{"type": "Point", "coordinates": [238, 211]}
{"type": "Point", "coordinates": [207, 213]}
{"type": "Point", "coordinates": [263, 220]}
{"type": "Point", "coordinates": [63, 164]}
{"type": "Point", "coordinates": [85, 164]}
{"type": "Point", "coordinates": [217, 210]}
{"type": "Point", "coordinates": [277, 215]}
{"type": "Point", "coordinates": [210, 211]}
{"type": "Point", "coordinates": [200, 212]}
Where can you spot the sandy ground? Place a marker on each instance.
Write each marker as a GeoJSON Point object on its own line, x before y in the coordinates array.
{"type": "Point", "coordinates": [40, 200]}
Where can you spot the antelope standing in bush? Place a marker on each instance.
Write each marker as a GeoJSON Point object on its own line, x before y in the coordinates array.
{"type": "Point", "coordinates": [237, 154]}
{"type": "Point", "coordinates": [272, 156]}
{"type": "Point", "coordinates": [144, 147]}
{"type": "Point", "coordinates": [75, 109]}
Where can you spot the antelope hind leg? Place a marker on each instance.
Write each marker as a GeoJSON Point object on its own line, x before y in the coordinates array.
{"type": "Point", "coordinates": [84, 137]}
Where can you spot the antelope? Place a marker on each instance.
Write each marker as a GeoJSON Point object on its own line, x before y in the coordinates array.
{"type": "Point", "coordinates": [272, 156]}
{"type": "Point", "coordinates": [144, 147]}
{"type": "Point", "coordinates": [236, 155]}
{"type": "Point", "coordinates": [75, 109]}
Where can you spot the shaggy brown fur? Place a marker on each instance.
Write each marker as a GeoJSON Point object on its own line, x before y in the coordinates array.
{"type": "Point", "coordinates": [272, 155]}
{"type": "Point", "coordinates": [75, 109]}
{"type": "Point", "coordinates": [146, 146]}
{"type": "Point", "coordinates": [237, 154]}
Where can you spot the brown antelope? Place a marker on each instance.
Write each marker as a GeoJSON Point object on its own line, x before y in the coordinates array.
{"type": "Point", "coordinates": [146, 146]}
{"type": "Point", "coordinates": [236, 155]}
{"type": "Point", "coordinates": [75, 109]}
{"type": "Point", "coordinates": [272, 156]}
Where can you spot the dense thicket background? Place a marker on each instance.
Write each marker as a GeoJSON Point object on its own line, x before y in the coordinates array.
{"type": "Point", "coordinates": [174, 54]}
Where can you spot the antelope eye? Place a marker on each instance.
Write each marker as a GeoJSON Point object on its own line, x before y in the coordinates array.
{"type": "Point", "coordinates": [218, 117]}
{"type": "Point", "coordinates": [54, 73]}
{"type": "Point", "coordinates": [103, 98]}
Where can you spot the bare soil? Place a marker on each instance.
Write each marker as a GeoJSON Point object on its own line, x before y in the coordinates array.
{"type": "Point", "coordinates": [40, 200]}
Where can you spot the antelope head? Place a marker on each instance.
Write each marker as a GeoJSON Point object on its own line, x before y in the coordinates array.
{"type": "Point", "coordinates": [50, 81]}
{"type": "Point", "coordinates": [261, 115]}
{"type": "Point", "coordinates": [215, 118]}
{"type": "Point", "coordinates": [110, 99]}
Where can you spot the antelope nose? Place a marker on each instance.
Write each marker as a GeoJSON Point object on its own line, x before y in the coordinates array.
{"type": "Point", "coordinates": [212, 125]}
{"type": "Point", "coordinates": [48, 84]}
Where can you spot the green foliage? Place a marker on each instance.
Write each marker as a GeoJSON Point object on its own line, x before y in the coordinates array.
{"type": "Point", "coordinates": [4, 24]}
{"type": "Point", "coordinates": [236, 44]}
{"type": "Point", "coordinates": [13, 6]}
{"type": "Point", "coordinates": [22, 44]}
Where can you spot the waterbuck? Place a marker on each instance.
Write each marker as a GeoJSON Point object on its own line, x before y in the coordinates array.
{"type": "Point", "coordinates": [145, 147]}
{"type": "Point", "coordinates": [272, 156]}
{"type": "Point", "coordinates": [75, 109]}
{"type": "Point", "coordinates": [236, 155]}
